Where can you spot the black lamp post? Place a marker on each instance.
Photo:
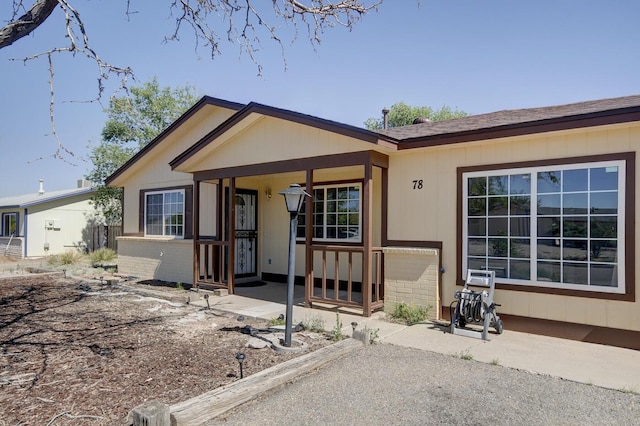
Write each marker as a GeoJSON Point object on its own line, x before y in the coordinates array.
{"type": "Point", "coordinates": [293, 197]}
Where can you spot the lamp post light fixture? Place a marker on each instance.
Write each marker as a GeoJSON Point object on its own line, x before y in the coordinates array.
{"type": "Point", "coordinates": [240, 357]}
{"type": "Point", "coordinates": [293, 197]}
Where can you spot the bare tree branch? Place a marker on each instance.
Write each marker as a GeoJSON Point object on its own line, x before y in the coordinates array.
{"type": "Point", "coordinates": [245, 23]}
{"type": "Point", "coordinates": [27, 23]}
{"type": "Point", "coordinates": [316, 15]}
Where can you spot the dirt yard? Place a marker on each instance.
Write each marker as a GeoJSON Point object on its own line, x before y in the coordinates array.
{"type": "Point", "coordinates": [84, 353]}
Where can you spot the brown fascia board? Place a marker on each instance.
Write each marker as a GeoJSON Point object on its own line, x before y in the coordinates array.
{"type": "Point", "coordinates": [204, 101]}
{"type": "Point", "coordinates": [600, 118]}
{"type": "Point", "coordinates": [292, 116]}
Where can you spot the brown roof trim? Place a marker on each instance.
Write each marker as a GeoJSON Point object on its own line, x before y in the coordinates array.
{"type": "Point", "coordinates": [601, 118]}
{"type": "Point", "coordinates": [296, 117]}
{"type": "Point", "coordinates": [204, 101]}
{"type": "Point", "coordinates": [300, 164]}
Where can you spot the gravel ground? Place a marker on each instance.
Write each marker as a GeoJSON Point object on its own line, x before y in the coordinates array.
{"type": "Point", "coordinates": [392, 385]}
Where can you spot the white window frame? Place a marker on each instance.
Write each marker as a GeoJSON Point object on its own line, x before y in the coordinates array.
{"type": "Point", "coordinates": [5, 217]}
{"type": "Point", "coordinates": [534, 281]}
{"type": "Point", "coordinates": [165, 214]}
{"type": "Point", "coordinates": [358, 239]}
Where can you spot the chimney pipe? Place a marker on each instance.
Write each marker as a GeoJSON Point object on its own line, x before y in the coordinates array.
{"type": "Point", "coordinates": [41, 190]}
{"type": "Point", "coordinates": [385, 118]}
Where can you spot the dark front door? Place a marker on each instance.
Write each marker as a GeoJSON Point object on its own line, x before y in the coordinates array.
{"type": "Point", "coordinates": [246, 233]}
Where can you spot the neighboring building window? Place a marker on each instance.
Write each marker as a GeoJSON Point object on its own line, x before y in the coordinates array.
{"type": "Point", "coordinates": [558, 226]}
{"type": "Point", "coordinates": [9, 224]}
{"type": "Point", "coordinates": [336, 213]}
{"type": "Point", "coordinates": [164, 213]}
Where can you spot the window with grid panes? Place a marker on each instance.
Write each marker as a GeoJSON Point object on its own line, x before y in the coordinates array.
{"type": "Point", "coordinates": [336, 213]}
{"type": "Point", "coordinates": [559, 226]}
{"type": "Point", "coordinates": [164, 213]}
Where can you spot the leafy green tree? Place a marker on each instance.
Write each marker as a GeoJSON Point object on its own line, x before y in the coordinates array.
{"type": "Point", "coordinates": [402, 114]}
{"type": "Point", "coordinates": [132, 123]}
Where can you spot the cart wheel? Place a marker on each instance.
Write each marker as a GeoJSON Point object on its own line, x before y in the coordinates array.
{"type": "Point", "coordinates": [499, 326]}
{"type": "Point", "coordinates": [461, 322]}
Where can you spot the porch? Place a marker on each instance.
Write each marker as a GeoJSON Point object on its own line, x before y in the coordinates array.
{"type": "Point", "coordinates": [340, 260]}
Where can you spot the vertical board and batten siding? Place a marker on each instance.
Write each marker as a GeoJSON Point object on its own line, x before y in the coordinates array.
{"type": "Point", "coordinates": [274, 221]}
{"type": "Point", "coordinates": [431, 213]}
{"type": "Point", "coordinates": [271, 139]}
{"type": "Point", "coordinates": [153, 171]}
{"type": "Point", "coordinates": [141, 256]}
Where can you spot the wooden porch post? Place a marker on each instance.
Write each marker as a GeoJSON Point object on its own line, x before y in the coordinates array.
{"type": "Point", "coordinates": [231, 259]}
{"type": "Point", "coordinates": [308, 240]}
{"type": "Point", "coordinates": [196, 232]}
{"type": "Point", "coordinates": [367, 237]}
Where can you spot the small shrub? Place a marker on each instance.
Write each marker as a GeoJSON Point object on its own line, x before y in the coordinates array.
{"type": "Point", "coordinates": [179, 286]}
{"type": "Point", "coordinates": [495, 361]}
{"type": "Point", "coordinates": [278, 320]}
{"type": "Point", "coordinates": [69, 257]}
{"type": "Point", "coordinates": [336, 333]}
{"type": "Point", "coordinates": [314, 324]}
{"type": "Point", "coordinates": [409, 314]}
{"type": "Point", "coordinates": [102, 256]}
{"type": "Point", "coordinates": [466, 356]}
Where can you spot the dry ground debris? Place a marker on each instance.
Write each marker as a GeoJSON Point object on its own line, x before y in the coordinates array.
{"type": "Point", "coordinates": [74, 352]}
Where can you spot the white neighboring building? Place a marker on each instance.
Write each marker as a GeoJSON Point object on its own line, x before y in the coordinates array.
{"type": "Point", "coordinates": [47, 223]}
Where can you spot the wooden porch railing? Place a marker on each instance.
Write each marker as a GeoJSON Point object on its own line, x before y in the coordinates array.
{"type": "Point", "coordinates": [341, 289]}
{"type": "Point", "coordinates": [210, 263]}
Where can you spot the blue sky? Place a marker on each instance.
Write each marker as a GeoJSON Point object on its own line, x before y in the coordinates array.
{"type": "Point", "coordinates": [478, 56]}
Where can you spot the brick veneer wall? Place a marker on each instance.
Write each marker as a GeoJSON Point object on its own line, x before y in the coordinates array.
{"type": "Point", "coordinates": [162, 259]}
{"type": "Point", "coordinates": [411, 275]}
{"type": "Point", "coordinates": [11, 247]}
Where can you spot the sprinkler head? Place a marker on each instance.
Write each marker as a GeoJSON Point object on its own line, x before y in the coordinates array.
{"type": "Point", "coordinates": [354, 325]}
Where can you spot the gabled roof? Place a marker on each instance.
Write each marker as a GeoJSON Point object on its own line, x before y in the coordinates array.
{"type": "Point", "coordinates": [518, 122]}
{"type": "Point", "coordinates": [22, 201]}
{"type": "Point", "coordinates": [291, 116]}
{"type": "Point", "coordinates": [204, 101]}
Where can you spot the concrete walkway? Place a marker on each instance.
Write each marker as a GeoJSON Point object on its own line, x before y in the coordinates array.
{"type": "Point", "coordinates": [605, 366]}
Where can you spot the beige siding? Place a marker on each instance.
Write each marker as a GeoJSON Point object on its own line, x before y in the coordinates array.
{"type": "Point", "coordinates": [271, 139]}
{"type": "Point", "coordinates": [158, 258]}
{"type": "Point", "coordinates": [153, 171]}
{"type": "Point", "coordinates": [274, 219]}
{"type": "Point", "coordinates": [430, 214]}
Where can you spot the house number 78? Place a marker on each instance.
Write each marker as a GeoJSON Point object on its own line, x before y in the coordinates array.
{"type": "Point", "coordinates": [417, 184]}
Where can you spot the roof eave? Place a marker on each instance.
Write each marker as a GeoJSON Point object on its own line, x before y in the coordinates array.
{"type": "Point", "coordinates": [601, 118]}
{"type": "Point", "coordinates": [265, 110]}
{"type": "Point", "coordinates": [204, 101]}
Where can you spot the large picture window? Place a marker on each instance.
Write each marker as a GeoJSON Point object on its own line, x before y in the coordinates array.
{"type": "Point", "coordinates": [558, 226]}
{"type": "Point", "coordinates": [336, 213]}
{"type": "Point", "coordinates": [164, 213]}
